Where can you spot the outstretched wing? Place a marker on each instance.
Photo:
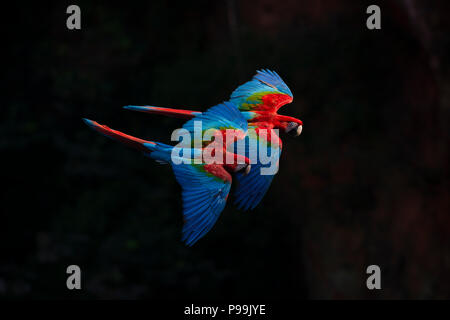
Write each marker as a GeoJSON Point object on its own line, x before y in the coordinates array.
{"type": "Point", "coordinates": [265, 92]}
{"type": "Point", "coordinates": [205, 190]}
{"type": "Point", "coordinates": [222, 117]}
{"type": "Point", "coordinates": [264, 154]}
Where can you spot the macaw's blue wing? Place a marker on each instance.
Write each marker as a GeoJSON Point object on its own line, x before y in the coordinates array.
{"type": "Point", "coordinates": [220, 117]}
{"type": "Point", "coordinates": [273, 80]}
{"type": "Point", "coordinates": [265, 92]}
{"type": "Point", "coordinates": [252, 187]}
{"type": "Point", "coordinates": [205, 190]}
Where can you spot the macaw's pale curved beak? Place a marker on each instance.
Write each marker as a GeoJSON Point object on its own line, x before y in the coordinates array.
{"type": "Point", "coordinates": [243, 168]}
{"type": "Point", "coordinates": [295, 131]}
{"type": "Point", "coordinates": [247, 170]}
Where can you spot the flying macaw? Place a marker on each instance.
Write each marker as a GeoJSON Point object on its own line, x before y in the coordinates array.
{"type": "Point", "coordinates": [205, 185]}
{"type": "Point", "coordinates": [258, 101]}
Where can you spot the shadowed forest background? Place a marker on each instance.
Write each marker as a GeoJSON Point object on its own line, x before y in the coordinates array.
{"type": "Point", "coordinates": [366, 182]}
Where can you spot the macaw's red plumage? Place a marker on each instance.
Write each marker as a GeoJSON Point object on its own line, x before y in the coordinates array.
{"type": "Point", "coordinates": [205, 184]}
{"type": "Point", "coordinates": [119, 136]}
{"type": "Point", "coordinates": [183, 114]}
{"type": "Point", "coordinates": [259, 101]}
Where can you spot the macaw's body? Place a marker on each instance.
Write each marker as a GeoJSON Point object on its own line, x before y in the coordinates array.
{"type": "Point", "coordinates": [205, 184]}
{"type": "Point", "coordinates": [258, 101]}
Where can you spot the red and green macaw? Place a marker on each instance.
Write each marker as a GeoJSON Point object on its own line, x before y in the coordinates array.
{"type": "Point", "coordinates": [205, 185]}
{"type": "Point", "coordinates": [258, 101]}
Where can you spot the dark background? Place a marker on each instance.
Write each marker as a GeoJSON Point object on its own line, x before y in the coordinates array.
{"type": "Point", "coordinates": [366, 182]}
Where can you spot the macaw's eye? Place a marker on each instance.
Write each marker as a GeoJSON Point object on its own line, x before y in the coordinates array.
{"type": "Point", "coordinates": [294, 129]}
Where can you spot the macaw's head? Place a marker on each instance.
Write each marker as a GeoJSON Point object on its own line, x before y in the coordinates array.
{"type": "Point", "coordinates": [290, 125]}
